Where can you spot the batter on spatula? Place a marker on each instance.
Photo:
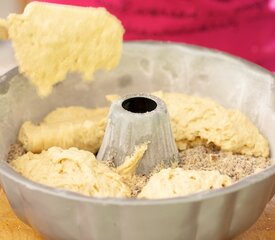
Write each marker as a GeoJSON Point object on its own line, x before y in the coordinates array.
{"type": "Point", "coordinates": [51, 40]}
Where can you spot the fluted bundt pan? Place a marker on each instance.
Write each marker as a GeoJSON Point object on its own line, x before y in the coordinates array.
{"type": "Point", "coordinates": [145, 67]}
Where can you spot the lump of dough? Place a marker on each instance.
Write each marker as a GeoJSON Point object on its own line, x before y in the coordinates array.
{"type": "Point", "coordinates": [51, 40]}
{"type": "Point", "coordinates": [130, 164]}
{"type": "Point", "coordinates": [72, 169]}
{"type": "Point", "coordinates": [73, 113]}
{"type": "Point", "coordinates": [66, 127]}
{"type": "Point", "coordinates": [196, 120]}
{"type": "Point", "coordinates": [177, 182]}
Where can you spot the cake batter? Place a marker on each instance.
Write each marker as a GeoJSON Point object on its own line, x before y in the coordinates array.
{"type": "Point", "coordinates": [88, 39]}
{"type": "Point", "coordinates": [195, 121]}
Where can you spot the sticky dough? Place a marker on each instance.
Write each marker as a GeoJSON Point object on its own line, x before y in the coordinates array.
{"type": "Point", "coordinates": [131, 162]}
{"type": "Point", "coordinates": [197, 121]}
{"type": "Point", "coordinates": [72, 169]}
{"type": "Point", "coordinates": [178, 182]}
{"type": "Point", "coordinates": [51, 40]}
{"type": "Point", "coordinates": [66, 127]}
{"type": "Point", "coordinates": [79, 171]}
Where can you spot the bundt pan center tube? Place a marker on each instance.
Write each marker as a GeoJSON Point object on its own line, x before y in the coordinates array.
{"type": "Point", "coordinates": [136, 119]}
{"type": "Point", "coordinates": [145, 67]}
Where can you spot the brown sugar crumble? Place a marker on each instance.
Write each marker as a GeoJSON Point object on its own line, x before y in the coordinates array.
{"type": "Point", "coordinates": [236, 166]}
{"type": "Point", "coordinates": [134, 182]}
{"type": "Point", "coordinates": [16, 150]}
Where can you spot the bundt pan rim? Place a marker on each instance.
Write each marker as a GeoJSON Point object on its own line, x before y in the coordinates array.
{"type": "Point", "coordinates": [115, 214]}
{"type": "Point", "coordinates": [6, 170]}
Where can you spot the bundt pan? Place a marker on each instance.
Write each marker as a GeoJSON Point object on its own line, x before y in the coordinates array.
{"type": "Point", "coordinates": [145, 67]}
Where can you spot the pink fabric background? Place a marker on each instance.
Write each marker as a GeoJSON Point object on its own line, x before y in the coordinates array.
{"type": "Point", "coordinates": [245, 28]}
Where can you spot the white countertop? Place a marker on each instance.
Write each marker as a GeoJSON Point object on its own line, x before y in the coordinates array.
{"type": "Point", "coordinates": [7, 60]}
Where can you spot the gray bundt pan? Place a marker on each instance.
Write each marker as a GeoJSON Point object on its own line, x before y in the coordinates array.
{"type": "Point", "coordinates": [145, 67]}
